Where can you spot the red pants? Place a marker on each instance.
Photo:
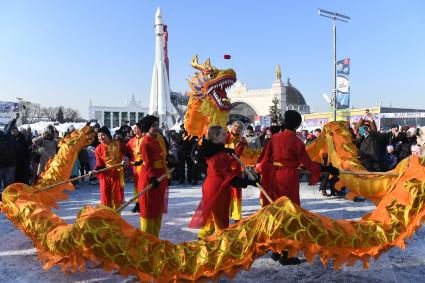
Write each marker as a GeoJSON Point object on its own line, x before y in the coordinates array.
{"type": "Point", "coordinates": [112, 189]}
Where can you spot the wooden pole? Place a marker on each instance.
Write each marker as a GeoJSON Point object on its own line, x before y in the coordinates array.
{"type": "Point", "coordinates": [368, 173]}
{"type": "Point", "coordinates": [81, 177]}
{"type": "Point", "coordinates": [252, 177]}
{"type": "Point", "coordinates": [361, 173]}
{"type": "Point", "coordinates": [147, 188]}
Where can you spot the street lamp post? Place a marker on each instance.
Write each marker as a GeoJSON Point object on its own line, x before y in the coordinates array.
{"type": "Point", "coordinates": [21, 112]}
{"type": "Point", "coordinates": [335, 17]}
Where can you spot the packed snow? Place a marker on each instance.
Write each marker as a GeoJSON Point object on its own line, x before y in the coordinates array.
{"type": "Point", "coordinates": [19, 262]}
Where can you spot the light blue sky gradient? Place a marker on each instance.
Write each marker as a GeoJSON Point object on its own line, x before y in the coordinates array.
{"type": "Point", "coordinates": [69, 52]}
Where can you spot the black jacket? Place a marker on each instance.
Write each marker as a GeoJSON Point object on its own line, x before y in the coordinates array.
{"type": "Point", "coordinates": [405, 149]}
{"type": "Point", "coordinates": [372, 148]}
{"type": "Point", "coordinates": [22, 147]}
{"type": "Point", "coordinates": [7, 151]}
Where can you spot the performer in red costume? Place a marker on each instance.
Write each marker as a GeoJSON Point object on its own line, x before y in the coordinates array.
{"type": "Point", "coordinates": [213, 210]}
{"type": "Point", "coordinates": [153, 151]}
{"type": "Point", "coordinates": [108, 153]}
{"type": "Point", "coordinates": [283, 155]}
{"type": "Point", "coordinates": [134, 149]}
{"type": "Point", "coordinates": [235, 141]}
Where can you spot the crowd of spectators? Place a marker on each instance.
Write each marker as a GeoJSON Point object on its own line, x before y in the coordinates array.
{"type": "Point", "coordinates": [24, 153]}
{"type": "Point", "coordinates": [380, 150]}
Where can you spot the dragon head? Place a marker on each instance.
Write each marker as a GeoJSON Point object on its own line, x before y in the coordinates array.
{"type": "Point", "coordinates": [212, 83]}
{"type": "Point", "coordinates": [208, 103]}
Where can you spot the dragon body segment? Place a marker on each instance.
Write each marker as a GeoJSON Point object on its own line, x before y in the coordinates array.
{"type": "Point", "coordinates": [99, 234]}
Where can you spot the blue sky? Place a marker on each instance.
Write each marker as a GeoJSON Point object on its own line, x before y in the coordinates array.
{"type": "Point", "coordinates": [69, 52]}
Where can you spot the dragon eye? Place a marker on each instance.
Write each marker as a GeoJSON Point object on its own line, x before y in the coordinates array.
{"type": "Point", "coordinates": [210, 75]}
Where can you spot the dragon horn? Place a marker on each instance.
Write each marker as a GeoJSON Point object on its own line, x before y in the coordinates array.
{"type": "Point", "coordinates": [196, 65]}
{"type": "Point", "coordinates": [207, 63]}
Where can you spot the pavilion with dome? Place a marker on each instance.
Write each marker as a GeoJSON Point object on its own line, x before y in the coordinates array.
{"type": "Point", "coordinates": [249, 104]}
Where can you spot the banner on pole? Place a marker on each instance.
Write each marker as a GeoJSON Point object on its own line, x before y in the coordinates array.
{"type": "Point", "coordinates": [342, 83]}
{"type": "Point", "coordinates": [8, 111]}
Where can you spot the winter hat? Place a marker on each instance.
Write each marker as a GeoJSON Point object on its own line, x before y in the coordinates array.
{"type": "Point", "coordinates": [292, 120]}
{"type": "Point", "coordinates": [275, 129]}
{"type": "Point", "coordinates": [416, 149]}
{"type": "Point", "coordinates": [137, 124]}
{"type": "Point", "coordinates": [421, 132]}
{"type": "Point", "coordinates": [46, 130]}
{"type": "Point", "coordinates": [147, 122]}
{"type": "Point", "coordinates": [411, 132]}
{"type": "Point", "coordinates": [420, 139]}
{"type": "Point", "coordinates": [106, 131]}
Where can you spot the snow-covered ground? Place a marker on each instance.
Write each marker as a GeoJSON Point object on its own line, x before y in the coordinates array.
{"type": "Point", "coordinates": [62, 128]}
{"type": "Point", "coordinates": [18, 261]}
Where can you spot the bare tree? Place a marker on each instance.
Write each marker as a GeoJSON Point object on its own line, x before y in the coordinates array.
{"type": "Point", "coordinates": [49, 112]}
{"type": "Point", "coordinates": [34, 112]}
{"type": "Point", "coordinates": [71, 115]}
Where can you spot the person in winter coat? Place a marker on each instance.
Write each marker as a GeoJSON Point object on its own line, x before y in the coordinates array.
{"type": "Point", "coordinates": [252, 139]}
{"type": "Point", "coordinates": [405, 148]}
{"type": "Point", "coordinates": [420, 140]}
{"type": "Point", "coordinates": [279, 169]}
{"type": "Point", "coordinates": [7, 160]}
{"type": "Point", "coordinates": [23, 157]}
{"type": "Point", "coordinates": [371, 144]}
{"type": "Point", "coordinates": [390, 159]}
{"type": "Point", "coordinates": [213, 210]}
{"type": "Point", "coordinates": [47, 145]}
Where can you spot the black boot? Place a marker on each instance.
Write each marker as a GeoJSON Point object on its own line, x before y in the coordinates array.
{"type": "Point", "coordinates": [136, 208]}
{"type": "Point", "coordinates": [359, 199]}
{"type": "Point", "coordinates": [284, 260]}
{"type": "Point", "coordinates": [275, 256]}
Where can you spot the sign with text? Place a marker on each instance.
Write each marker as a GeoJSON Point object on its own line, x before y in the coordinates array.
{"type": "Point", "coordinates": [8, 111]}
{"type": "Point", "coordinates": [342, 83]}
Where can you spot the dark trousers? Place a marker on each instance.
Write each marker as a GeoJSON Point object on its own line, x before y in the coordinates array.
{"type": "Point", "coordinates": [373, 166]}
{"type": "Point", "coordinates": [7, 176]}
{"type": "Point", "coordinates": [84, 168]}
{"type": "Point", "coordinates": [186, 160]}
{"type": "Point", "coordinates": [23, 173]}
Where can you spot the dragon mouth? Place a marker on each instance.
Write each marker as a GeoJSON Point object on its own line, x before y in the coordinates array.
{"type": "Point", "coordinates": [217, 90]}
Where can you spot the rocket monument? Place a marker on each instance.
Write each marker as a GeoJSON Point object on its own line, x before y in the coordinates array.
{"type": "Point", "coordinates": [160, 102]}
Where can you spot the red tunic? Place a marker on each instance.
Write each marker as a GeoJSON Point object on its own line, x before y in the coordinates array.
{"type": "Point", "coordinates": [154, 202]}
{"type": "Point", "coordinates": [133, 147]}
{"type": "Point", "coordinates": [216, 192]}
{"type": "Point", "coordinates": [283, 155]}
{"type": "Point", "coordinates": [111, 181]}
{"type": "Point", "coordinates": [238, 143]}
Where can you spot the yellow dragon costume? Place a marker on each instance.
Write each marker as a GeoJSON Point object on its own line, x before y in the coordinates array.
{"type": "Point", "coordinates": [100, 235]}
{"type": "Point", "coordinates": [208, 102]}
{"type": "Point", "coordinates": [209, 105]}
